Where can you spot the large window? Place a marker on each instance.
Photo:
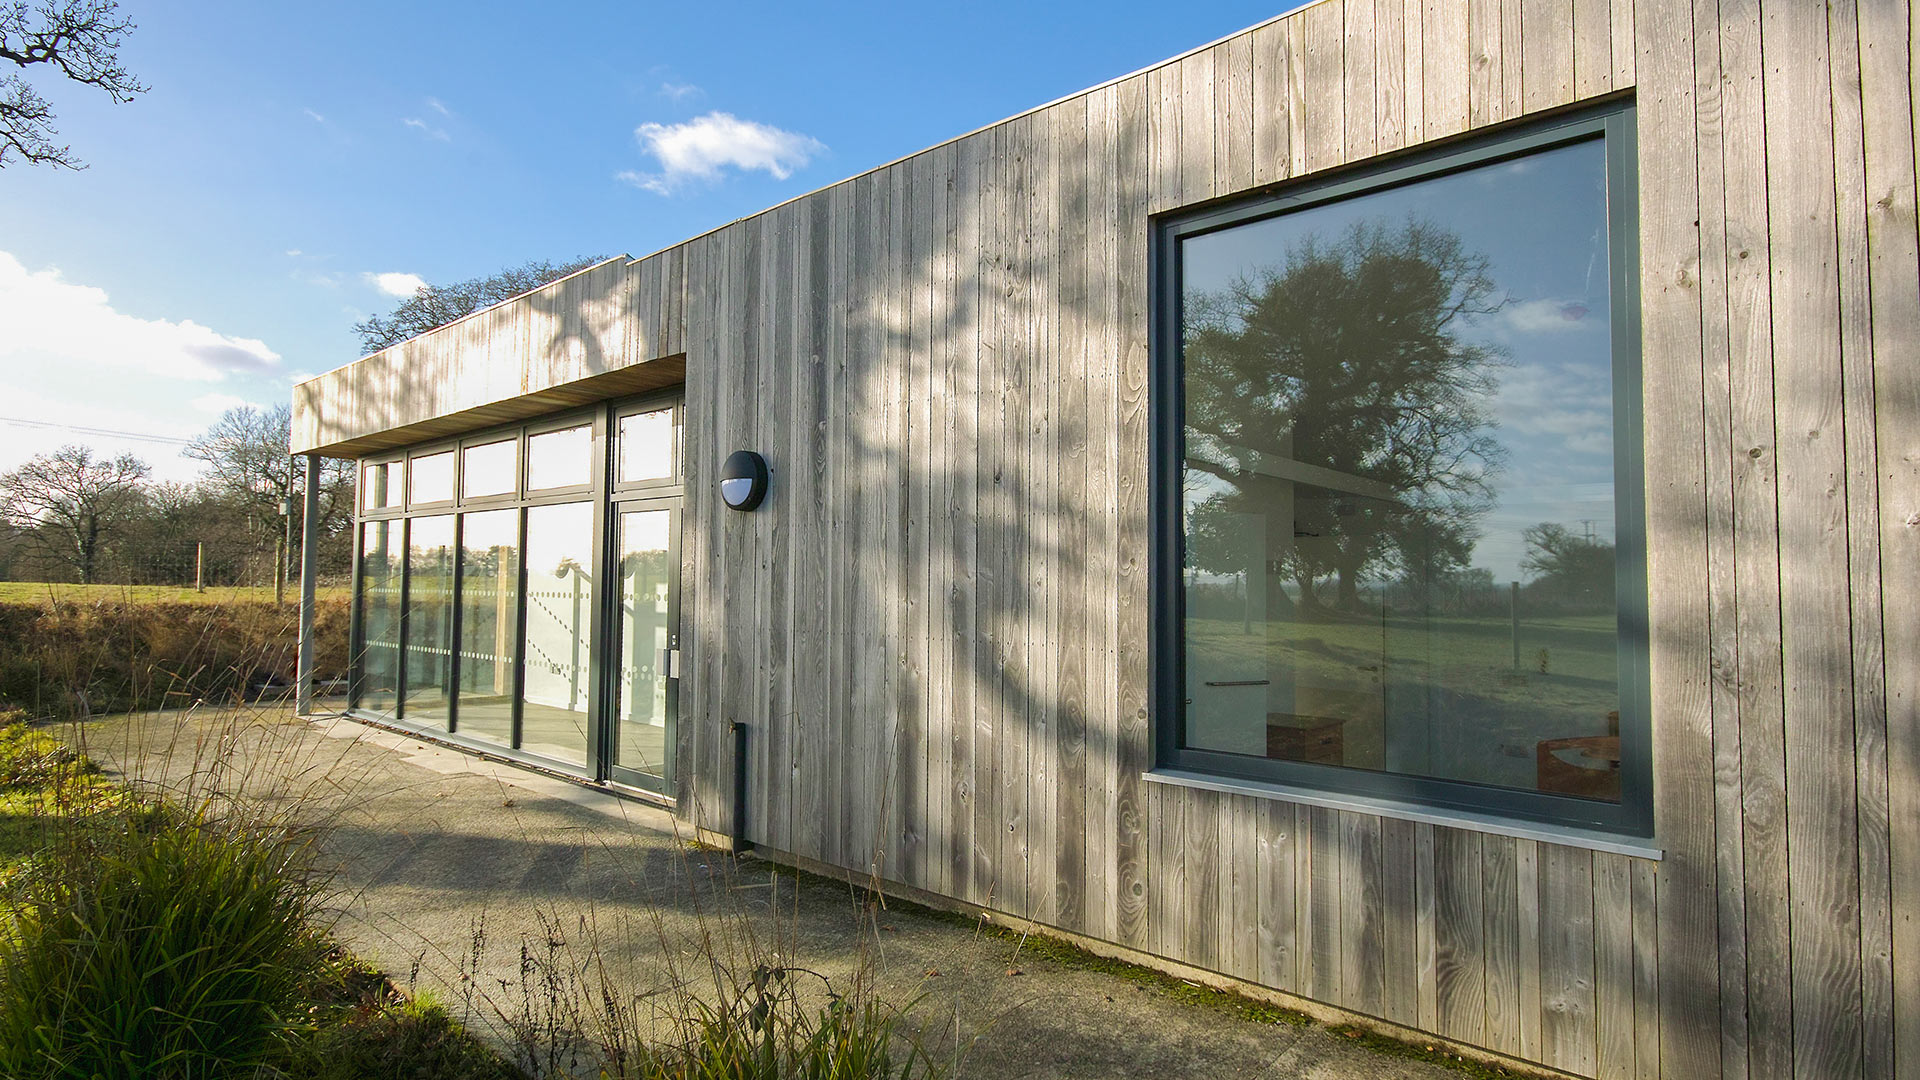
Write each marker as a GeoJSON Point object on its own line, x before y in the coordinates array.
{"type": "Point", "coordinates": [1398, 471]}
{"type": "Point", "coordinates": [493, 569]}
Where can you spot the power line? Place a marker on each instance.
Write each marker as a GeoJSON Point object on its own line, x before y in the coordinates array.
{"type": "Point", "coordinates": [115, 433]}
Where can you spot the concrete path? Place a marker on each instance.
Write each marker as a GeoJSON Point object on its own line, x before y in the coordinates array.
{"type": "Point", "coordinates": [517, 897]}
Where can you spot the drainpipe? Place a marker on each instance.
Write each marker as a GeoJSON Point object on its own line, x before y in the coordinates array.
{"type": "Point", "coordinates": [309, 570]}
{"type": "Point", "coordinates": [740, 841]}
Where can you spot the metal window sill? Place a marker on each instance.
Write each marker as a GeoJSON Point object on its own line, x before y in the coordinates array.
{"type": "Point", "coordinates": [1564, 835]}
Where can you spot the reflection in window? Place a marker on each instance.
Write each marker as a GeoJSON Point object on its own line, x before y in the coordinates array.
{"type": "Point", "coordinates": [557, 459]}
{"type": "Point", "coordinates": [1398, 486]}
{"type": "Point", "coordinates": [559, 557]}
{"type": "Point", "coordinates": [646, 446]}
{"type": "Point", "coordinates": [646, 633]}
{"type": "Point", "coordinates": [380, 574]}
{"type": "Point", "coordinates": [429, 620]}
{"type": "Point", "coordinates": [490, 469]}
{"type": "Point", "coordinates": [374, 490]}
{"type": "Point", "coordinates": [489, 629]}
{"type": "Point", "coordinates": [430, 478]}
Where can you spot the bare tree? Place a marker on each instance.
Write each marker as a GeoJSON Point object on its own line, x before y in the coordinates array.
{"type": "Point", "coordinates": [79, 38]}
{"type": "Point", "coordinates": [437, 305]}
{"type": "Point", "coordinates": [1350, 358]}
{"type": "Point", "coordinates": [69, 503]}
{"type": "Point", "coordinates": [250, 470]}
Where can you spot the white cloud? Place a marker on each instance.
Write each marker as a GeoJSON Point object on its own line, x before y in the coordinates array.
{"type": "Point", "coordinates": [702, 148]}
{"type": "Point", "coordinates": [679, 91]}
{"type": "Point", "coordinates": [427, 129]}
{"type": "Point", "coordinates": [50, 320]}
{"type": "Point", "coordinates": [316, 117]}
{"type": "Point", "coordinates": [217, 403]}
{"type": "Point", "coordinates": [1551, 316]}
{"type": "Point", "coordinates": [434, 104]}
{"type": "Point", "coordinates": [394, 283]}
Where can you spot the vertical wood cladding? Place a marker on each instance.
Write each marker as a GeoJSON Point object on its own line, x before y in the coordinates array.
{"type": "Point", "coordinates": [936, 626]}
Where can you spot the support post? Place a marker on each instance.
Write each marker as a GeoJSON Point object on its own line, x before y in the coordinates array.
{"type": "Point", "coordinates": [199, 566]}
{"type": "Point", "coordinates": [309, 571]}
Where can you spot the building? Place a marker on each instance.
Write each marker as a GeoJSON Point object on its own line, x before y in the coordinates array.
{"type": "Point", "coordinates": [1409, 506]}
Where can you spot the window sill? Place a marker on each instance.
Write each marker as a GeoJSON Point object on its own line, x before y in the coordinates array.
{"type": "Point", "coordinates": [1563, 835]}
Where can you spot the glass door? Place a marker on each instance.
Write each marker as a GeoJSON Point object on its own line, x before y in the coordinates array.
{"type": "Point", "coordinates": [646, 643]}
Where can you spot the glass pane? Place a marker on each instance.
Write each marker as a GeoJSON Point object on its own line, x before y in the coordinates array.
{"type": "Point", "coordinates": [374, 488]}
{"type": "Point", "coordinates": [430, 478]}
{"type": "Point", "coordinates": [489, 622]}
{"type": "Point", "coordinates": [646, 446]}
{"type": "Point", "coordinates": [429, 621]}
{"type": "Point", "coordinates": [1399, 481]}
{"type": "Point", "coordinates": [380, 571]}
{"type": "Point", "coordinates": [490, 469]}
{"type": "Point", "coordinates": [647, 631]}
{"type": "Point", "coordinates": [561, 458]}
{"type": "Point", "coordinates": [559, 556]}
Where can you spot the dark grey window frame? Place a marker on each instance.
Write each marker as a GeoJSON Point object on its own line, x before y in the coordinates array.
{"type": "Point", "coordinates": [599, 490]}
{"type": "Point", "coordinates": [1633, 816]}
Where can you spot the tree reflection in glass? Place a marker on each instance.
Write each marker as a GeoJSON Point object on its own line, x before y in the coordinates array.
{"type": "Point", "coordinates": [1398, 479]}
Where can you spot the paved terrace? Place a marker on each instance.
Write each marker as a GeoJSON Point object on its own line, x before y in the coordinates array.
{"type": "Point", "coordinates": [478, 879]}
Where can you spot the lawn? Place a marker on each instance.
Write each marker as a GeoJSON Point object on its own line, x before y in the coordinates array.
{"type": "Point", "coordinates": [1454, 702]}
{"type": "Point", "coordinates": [40, 592]}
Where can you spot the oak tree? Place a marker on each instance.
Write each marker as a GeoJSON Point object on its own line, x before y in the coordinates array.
{"type": "Point", "coordinates": [70, 504]}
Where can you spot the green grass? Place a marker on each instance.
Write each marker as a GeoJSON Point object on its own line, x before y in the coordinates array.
{"type": "Point", "coordinates": [33, 592]}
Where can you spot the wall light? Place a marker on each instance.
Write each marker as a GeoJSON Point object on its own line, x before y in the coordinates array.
{"type": "Point", "coordinates": [743, 480]}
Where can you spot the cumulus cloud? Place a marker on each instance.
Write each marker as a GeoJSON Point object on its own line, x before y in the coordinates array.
{"type": "Point", "coordinates": [52, 320]}
{"type": "Point", "coordinates": [704, 147]}
{"type": "Point", "coordinates": [394, 283]}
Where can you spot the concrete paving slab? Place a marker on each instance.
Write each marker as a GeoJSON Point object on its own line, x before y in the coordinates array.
{"type": "Point", "coordinates": [518, 897]}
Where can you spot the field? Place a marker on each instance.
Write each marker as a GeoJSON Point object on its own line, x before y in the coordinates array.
{"type": "Point", "coordinates": [39, 592]}
{"type": "Point", "coordinates": [1445, 689]}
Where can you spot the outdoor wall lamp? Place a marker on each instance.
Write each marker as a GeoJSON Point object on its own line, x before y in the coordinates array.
{"type": "Point", "coordinates": [743, 480]}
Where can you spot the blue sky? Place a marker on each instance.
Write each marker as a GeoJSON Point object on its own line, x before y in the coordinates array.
{"type": "Point", "coordinates": [292, 165]}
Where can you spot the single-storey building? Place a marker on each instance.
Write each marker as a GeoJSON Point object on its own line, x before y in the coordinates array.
{"type": "Point", "coordinates": [1414, 506]}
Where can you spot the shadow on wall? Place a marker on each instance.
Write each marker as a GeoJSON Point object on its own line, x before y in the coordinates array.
{"type": "Point", "coordinates": [573, 329]}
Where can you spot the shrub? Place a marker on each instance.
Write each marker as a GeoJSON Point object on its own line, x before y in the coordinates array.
{"type": "Point", "coordinates": [166, 945]}
{"type": "Point", "coordinates": [66, 658]}
{"type": "Point", "coordinates": [404, 1040]}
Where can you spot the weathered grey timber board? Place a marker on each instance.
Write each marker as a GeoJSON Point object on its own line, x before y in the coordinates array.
{"type": "Point", "coordinates": [946, 361]}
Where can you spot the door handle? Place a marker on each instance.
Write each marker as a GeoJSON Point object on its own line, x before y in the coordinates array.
{"type": "Point", "coordinates": [667, 663]}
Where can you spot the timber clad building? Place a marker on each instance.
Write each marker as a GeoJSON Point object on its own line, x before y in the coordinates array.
{"type": "Point", "coordinates": [1411, 506]}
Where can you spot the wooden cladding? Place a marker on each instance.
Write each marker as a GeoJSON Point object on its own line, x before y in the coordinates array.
{"type": "Point", "coordinates": [608, 331]}
{"type": "Point", "coordinates": [935, 629]}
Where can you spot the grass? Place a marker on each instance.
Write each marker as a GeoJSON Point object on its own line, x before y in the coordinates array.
{"type": "Point", "coordinates": [178, 928]}
{"type": "Point", "coordinates": [142, 939]}
{"type": "Point", "coordinates": [46, 593]}
{"type": "Point", "coordinates": [1049, 949]}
